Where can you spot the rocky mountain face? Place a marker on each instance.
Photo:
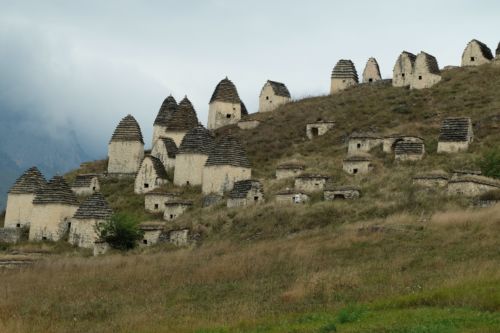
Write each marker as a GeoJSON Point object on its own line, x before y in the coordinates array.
{"type": "Point", "coordinates": [25, 143]}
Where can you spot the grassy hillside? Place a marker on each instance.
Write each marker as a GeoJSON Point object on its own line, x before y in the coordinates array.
{"type": "Point", "coordinates": [399, 259]}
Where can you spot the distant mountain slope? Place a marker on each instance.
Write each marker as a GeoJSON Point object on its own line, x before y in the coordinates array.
{"type": "Point", "coordinates": [23, 144]}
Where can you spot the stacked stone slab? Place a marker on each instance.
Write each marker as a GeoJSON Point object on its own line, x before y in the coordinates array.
{"type": "Point", "coordinates": [245, 193]}
{"type": "Point", "coordinates": [227, 164]}
{"type": "Point", "coordinates": [476, 53]}
{"type": "Point", "coordinates": [362, 142]}
{"type": "Point", "coordinates": [225, 107]}
{"type": "Point", "coordinates": [371, 72]}
{"type": "Point", "coordinates": [167, 109]}
{"type": "Point", "coordinates": [151, 175]}
{"type": "Point", "coordinates": [408, 151]}
{"type": "Point", "coordinates": [389, 142]}
{"type": "Point", "coordinates": [54, 206]}
{"type": "Point", "coordinates": [20, 198]}
{"type": "Point", "coordinates": [192, 155]}
{"type": "Point", "coordinates": [272, 95]}
{"type": "Point", "coordinates": [93, 212]}
{"type": "Point", "coordinates": [426, 72]}
{"type": "Point", "coordinates": [126, 148]}
{"type": "Point", "coordinates": [181, 121]}
{"type": "Point", "coordinates": [403, 69]}
{"type": "Point", "coordinates": [165, 150]}
{"type": "Point", "coordinates": [344, 75]}
{"type": "Point", "coordinates": [455, 135]}
{"type": "Point", "coordinates": [86, 184]}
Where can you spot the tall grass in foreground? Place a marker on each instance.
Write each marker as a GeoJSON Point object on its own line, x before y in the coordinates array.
{"type": "Point", "coordinates": [394, 267]}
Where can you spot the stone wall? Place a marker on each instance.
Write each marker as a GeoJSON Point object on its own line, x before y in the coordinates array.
{"type": "Point", "coordinates": [222, 113]}
{"type": "Point", "coordinates": [310, 184]}
{"type": "Point", "coordinates": [156, 203]}
{"type": "Point", "coordinates": [147, 179]}
{"type": "Point", "coordinates": [254, 196]}
{"type": "Point", "coordinates": [288, 173]}
{"type": "Point", "coordinates": [469, 189]}
{"type": "Point", "coordinates": [150, 237]}
{"type": "Point", "coordinates": [101, 248]}
{"type": "Point", "coordinates": [362, 145]}
{"type": "Point", "coordinates": [89, 190]}
{"type": "Point", "coordinates": [174, 211]}
{"type": "Point", "coordinates": [371, 72]}
{"type": "Point", "coordinates": [189, 169]}
{"type": "Point", "coordinates": [338, 85]}
{"type": "Point", "coordinates": [350, 194]}
{"type": "Point", "coordinates": [160, 152]}
{"type": "Point", "coordinates": [19, 210]}
{"type": "Point", "coordinates": [292, 198]}
{"type": "Point", "coordinates": [12, 235]}
{"type": "Point", "coordinates": [357, 167]}
{"type": "Point", "coordinates": [248, 124]}
{"type": "Point", "coordinates": [421, 78]}
{"type": "Point", "coordinates": [452, 147]}
{"type": "Point", "coordinates": [402, 72]}
{"type": "Point", "coordinates": [221, 178]}
{"type": "Point", "coordinates": [83, 233]}
{"type": "Point", "coordinates": [50, 221]}
{"type": "Point", "coordinates": [179, 237]}
{"type": "Point", "coordinates": [268, 100]}
{"type": "Point", "coordinates": [125, 157]}
{"type": "Point", "coordinates": [430, 182]}
{"type": "Point", "coordinates": [318, 129]}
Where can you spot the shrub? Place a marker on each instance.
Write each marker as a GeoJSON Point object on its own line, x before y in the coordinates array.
{"type": "Point", "coordinates": [490, 163]}
{"type": "Point", "coordinates": [120, 232]}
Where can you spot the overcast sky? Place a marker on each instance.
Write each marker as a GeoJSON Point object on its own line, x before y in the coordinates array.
{"type": "Point", "coordinates": [89, 63]}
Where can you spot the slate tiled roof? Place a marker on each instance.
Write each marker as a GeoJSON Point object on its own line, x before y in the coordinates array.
{"type": "Point", "coordinates": [152, 226]}
{"type": "Point", "coordinates": [198, 140]}
{"type": "Point", "coordinates": [485, 50]}
{"type": "Point", "coordinates": [344, 69]}
{"type": "Point", "coordinates": [170, 146]}
{"type": "Point", "coordinates": [242, 187]}
{"type": "Point", "coordinates": [184, 118]}
{"type": "Point", "coordinates": [407, 147]}
{"type": "Point", "coordinates": [179, 203]}
{"type": "Point", "coordinates": [228, 151]}
{"type": "Point", "coordinates": [289, 191]}
{"type": "Point", "coordinates": [225, 91]}
{"type": "Point", "coordinates": [244, 111]}
{"type": "Point", "coordinates": [29, 182]}
{"type": "Point", "coordinates": [455, 129]}
{"type": "Point", "coordinates": [167, 109]}
{"type": "Point", "coordinates": [84, 180]}
{"type": "Point", "coordinates": [95, 207]}
{"type": "Point", "coordinates": [161, 192]}
{"type": "Point", "coordinates": [341, 188]}
{"type": "Point", "coordinates": [279, 88]}
{"type": "Point", "coordinates": [157, 166]}
{"type": "Point", "coordinates": [127, 130]}
{"type": "Point", "coordinates": [405, 54]}
{"type": "Point", "coordinates": [431, 64]}
{"type": "Point", "coordinates": [56, 191]}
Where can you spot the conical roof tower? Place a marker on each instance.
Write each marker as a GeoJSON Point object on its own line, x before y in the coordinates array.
{"type": "Point", "coordinates": [56, 191]}
{"type": "Point", "coordinates": [198, 140]}
{"type": "Point", "coordinates": [184, 118]}
{"type": "Point", "coordinates": [29, 182]}
{"type": "Point", "coordinates": [94, 207]}
{"type": "Point", "coordinates": [167, 109]}
{"type": "Point", "coordinates": [127, 130]}
{"type": "Point", "coordinates": [228, 151]}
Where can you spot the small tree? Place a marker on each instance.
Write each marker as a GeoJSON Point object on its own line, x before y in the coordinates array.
{"type": "Point", "coordinates": [490, 163]}
{"type": "Point", "coordinates": [120, 231]}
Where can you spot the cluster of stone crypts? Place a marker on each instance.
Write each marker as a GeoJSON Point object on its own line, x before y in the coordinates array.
{"type": "Point", "coordinates": [417, 72]}
{"type": "Point", "coordinates": [468, 183]}
{"type": "Point", "coordinates": [158, 232]}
